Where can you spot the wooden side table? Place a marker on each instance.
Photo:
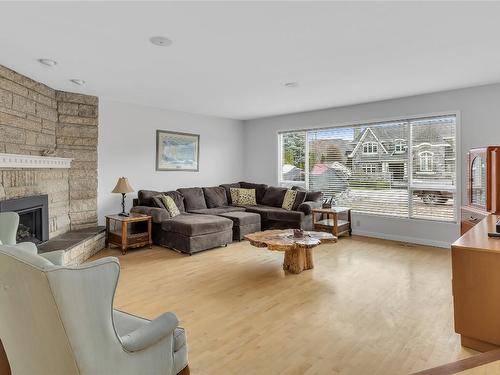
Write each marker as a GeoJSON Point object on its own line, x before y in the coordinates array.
{"type": "Point", "coordinates": [123, 237]}
{"type": "Point", "coordinates": [333, 223]}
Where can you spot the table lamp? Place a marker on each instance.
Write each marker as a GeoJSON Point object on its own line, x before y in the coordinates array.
{"type": "Point", "coordinates": [123, 187]}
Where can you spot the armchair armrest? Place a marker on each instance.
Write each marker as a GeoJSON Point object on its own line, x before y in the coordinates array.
{"type": "Point", "coordinates": [56, 257]}
{"type": "Point", "coordinates": [29, 247]}
{"type": "Point", "coordinates": [150, 333]}
{"type": "Point", "coordinates": [159, 214]}
{"type": "Point", "coordinates": [307, 207]}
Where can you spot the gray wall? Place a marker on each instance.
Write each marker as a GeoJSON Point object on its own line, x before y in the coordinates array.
{"type": "Point", "coordinates": [479, 109]}
{"type": "Point", "coordinates": [127, 147]}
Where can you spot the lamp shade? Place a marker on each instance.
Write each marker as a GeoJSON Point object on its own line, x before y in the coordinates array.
{"type": "Point", "coordinates": [122, 186]}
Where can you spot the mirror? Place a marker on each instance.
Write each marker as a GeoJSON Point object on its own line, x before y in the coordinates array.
{"type": "Point", "coordinates": [478, 181]}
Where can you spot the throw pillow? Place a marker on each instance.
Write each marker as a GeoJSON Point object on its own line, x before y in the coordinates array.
{"type": "Point", "coordinates": [246, 197]}
{"type": "Point", "coordinates": [170, 205]}
{"type": "Point", "coordinates": [157, 201]}
{"type": "Point", "coordinates": [289, 199]}
{"type": "Point", "coordinates": [234, 195]}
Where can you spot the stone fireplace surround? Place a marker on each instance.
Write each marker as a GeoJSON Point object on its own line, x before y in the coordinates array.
{"type": "Point", "coordinates": [37, 120]}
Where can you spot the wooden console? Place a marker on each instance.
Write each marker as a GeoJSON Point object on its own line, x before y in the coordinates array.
{"type": "Point", "coordinates": [476, 286]}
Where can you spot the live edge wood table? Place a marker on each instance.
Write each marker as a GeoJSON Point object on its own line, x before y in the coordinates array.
{"type": "Point", "coordinates": [333, 223]}
{"type": "Point", "coordinates": [124, 237]}
{"type": "Point", "coordinates": [298, 250]}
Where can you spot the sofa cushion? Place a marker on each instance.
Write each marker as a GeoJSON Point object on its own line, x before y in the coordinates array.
{"type": "Point", "coordinates": [145, 197]}
{"type": "Point", "coordinates": [274, 196]}
{"type": "Point", "coordinates": [299, 199]}
{"type": "Point", "coordinates": [240, 218]}
{"type": "Point", "coordinates": [215, 196]}
{"type": "Point", "coordinates": [260, 190]}
{"type": "Point", "coordinates": [194, 199]}
{"type": "Point", "coordinates": [311, 196]}
{"type": "Point", "coordinates": [217, 210]}
{"type": "Point", "coordinates": [276, 213]}
{"type": "Point", "coordinates": [195, 225]}
{"type": "Point", "coordinates": [314, 196]}
{"type": "Point", "coordinates": [178, 199]}
{"type": "Point", "coordinates": [228, 187]}
{"type": "Point", "coordinates": [157, 202]}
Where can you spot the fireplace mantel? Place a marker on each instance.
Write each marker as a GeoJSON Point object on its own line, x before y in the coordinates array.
{"type": "Point", "coordinates": [33, 161]}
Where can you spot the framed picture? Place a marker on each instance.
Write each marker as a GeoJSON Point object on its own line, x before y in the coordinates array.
{"type": "Point", "coordinates": [177, 151]}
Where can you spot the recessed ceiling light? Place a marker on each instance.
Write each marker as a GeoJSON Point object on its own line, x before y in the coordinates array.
{"type": "Point", "coordinates": [291, 84]}
{"type": "Point", "coordinates": [160, 41]}
{"type": "Point", "coordinates": [47, 62]}
{"type": "Point", "coordinates": [78, 81]}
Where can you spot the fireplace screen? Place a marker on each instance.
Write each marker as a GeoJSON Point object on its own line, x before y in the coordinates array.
{"type": "Point", "coordinates": [30, 226]}
{"type": "Point", "coordinates": [33, 217]}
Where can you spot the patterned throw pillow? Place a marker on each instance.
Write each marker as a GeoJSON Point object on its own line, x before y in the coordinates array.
{"type": "Point", "coordinates": [170, 205]}
{"type": "Point", "coordinates": [234, 195]}
{"type": "Point", "coordinates": [246, 197]}
{"type": "Point", "coordinates": [289, 199]}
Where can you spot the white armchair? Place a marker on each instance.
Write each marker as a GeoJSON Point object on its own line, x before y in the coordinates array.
{"type": "Point", "coordinates": [60, 320]}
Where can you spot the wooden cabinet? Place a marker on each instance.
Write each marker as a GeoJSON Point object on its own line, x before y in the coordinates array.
{"type": "Point", "coordinates": [476, 286]}
{"type": "Point", "coordinates": [483, 186]}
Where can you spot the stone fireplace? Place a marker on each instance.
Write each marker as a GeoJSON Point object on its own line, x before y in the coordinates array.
{"type": "Point", "coordinates": [33, 217]}
{"type": "Point", "coordinates": [48, 148]}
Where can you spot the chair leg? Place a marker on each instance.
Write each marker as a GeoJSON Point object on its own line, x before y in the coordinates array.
{"type": "Point", "coordinates": [184, 371]}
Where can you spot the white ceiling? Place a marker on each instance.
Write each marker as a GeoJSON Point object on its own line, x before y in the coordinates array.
{"type": "Point", "coordinates": [232, 59]}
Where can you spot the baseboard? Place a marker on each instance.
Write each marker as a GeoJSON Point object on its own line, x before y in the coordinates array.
{"type": "Point", "coordinates": [393, 237]}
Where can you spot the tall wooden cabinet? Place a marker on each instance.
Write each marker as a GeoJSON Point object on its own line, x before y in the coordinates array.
{"type": "Point", "coordinates": [483, 186]}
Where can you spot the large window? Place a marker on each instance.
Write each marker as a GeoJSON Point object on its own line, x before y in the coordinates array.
{"type": "Point", "coordinates": [400, 168]}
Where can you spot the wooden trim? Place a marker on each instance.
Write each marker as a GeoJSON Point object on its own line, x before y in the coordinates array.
{"type": "Point", "coordinates": [464, 364]}
{"type": "Point", "coordinates": [33, 161]}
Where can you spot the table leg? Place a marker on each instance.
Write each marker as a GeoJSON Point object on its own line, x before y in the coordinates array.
{"type": "Point", "coordinates": [350, 222]}
{"type": "Point", "coordinates": [124, 237]}
{"type": "Point", "coordinates": [150, 224]}
{"type": "Point", "coordinates": [106, 245]}
{"type": "Point", "coordinates": [335, 224]}
{"type": "Point", "coordinates": [297, 260]}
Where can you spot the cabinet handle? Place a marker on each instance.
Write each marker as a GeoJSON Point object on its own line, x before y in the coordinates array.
{"type": "Point", "coordinates": [473, 218]}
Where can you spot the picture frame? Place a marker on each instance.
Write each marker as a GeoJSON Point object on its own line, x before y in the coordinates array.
{"type": "Point", "coordinates": [177, 151]}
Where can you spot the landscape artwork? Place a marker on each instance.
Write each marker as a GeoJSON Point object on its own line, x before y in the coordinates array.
{"type": "Point", "coordinates": [177, 151]}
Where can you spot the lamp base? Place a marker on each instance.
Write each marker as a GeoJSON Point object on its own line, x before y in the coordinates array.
{"type": "Point", "coordinates": [124, 214]}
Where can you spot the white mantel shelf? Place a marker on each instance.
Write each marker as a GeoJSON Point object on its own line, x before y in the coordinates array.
{"type": "Point", "coordinates": [33, 161]}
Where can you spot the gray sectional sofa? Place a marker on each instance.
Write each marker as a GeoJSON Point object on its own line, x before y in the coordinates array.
{"type": "Point", "coordinates": [208, 218]}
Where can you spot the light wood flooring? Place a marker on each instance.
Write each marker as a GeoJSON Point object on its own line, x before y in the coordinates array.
{"type": "Point", "coordinates": [368, 307]}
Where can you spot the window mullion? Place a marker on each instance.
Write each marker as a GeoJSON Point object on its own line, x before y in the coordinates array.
{"type": "Point", "coordinates": [410, 170]}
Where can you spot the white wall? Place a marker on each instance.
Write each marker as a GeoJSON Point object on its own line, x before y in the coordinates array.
{"type": "Point", "coordinates": [479, 109]}
{"type": "Point", "coordinates": [127, 144]}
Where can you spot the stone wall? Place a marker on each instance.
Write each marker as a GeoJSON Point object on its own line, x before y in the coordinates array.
{"type": "Point", "coordinates": [35, 118]}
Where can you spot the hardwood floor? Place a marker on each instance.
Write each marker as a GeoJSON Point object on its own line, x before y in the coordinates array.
{"type": "Point", "coordinates": [368, 307]}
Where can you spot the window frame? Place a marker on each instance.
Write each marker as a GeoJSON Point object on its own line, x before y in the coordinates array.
{"type": "Point", "coordinates": [426, 159]}
{"type": "Point", "coordinates": [399, 146]}
{"type": "Point", "coordinates": [456, 190]}
{"type": "Point", "coordinates": [371, 146]}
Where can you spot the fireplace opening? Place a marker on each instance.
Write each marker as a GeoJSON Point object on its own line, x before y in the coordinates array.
{"type": "Point", "coordinates": [33, 217]}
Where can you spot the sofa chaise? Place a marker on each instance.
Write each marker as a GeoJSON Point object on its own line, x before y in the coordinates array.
{"type": "Point", "coordinates": [208, 218]}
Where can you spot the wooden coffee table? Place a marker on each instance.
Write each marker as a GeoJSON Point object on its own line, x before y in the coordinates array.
{"type": "Point", "coordinates": [298, 251]}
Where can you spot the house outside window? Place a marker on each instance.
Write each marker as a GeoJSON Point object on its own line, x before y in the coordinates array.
{"type": "Point", "coordinates": [370, 148]}
{"type": "Point", "coordinates": [426, 162]}
{"type": "Point", "coordinates": [399, 145]}
{"type": "Point", "coordinates": [359, 167]}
